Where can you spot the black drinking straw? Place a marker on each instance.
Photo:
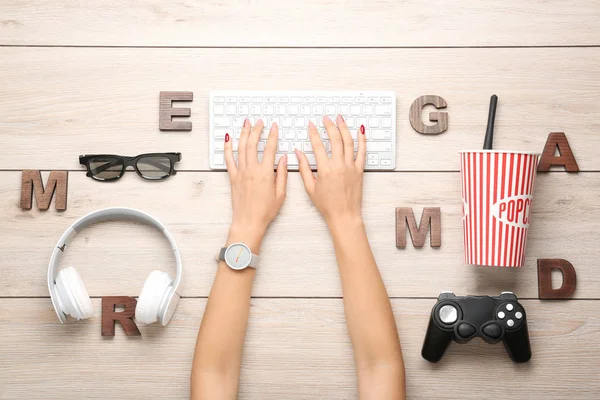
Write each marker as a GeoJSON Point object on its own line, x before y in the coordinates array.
{"type": "Point", "coordinates": [489, 133]}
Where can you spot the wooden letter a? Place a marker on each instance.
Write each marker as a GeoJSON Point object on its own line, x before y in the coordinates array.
{"type": "Point", "coordinates": [125, 317]}
{"type": "Point", "coordinates": [431, 217]}
{"type": "Point", "coordinates": [31, 182]}
{"type": "Point", "coordinates": [565, 159]}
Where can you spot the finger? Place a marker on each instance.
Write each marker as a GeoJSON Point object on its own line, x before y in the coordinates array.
{"type": "Point", "coordinates": [337, 147]}
{"type": "Point", "coordinates": [346, 140]}
{"type": "Point", "coordinates": [242, 144]}
{"type": "Point", "coordinates": [307, 176]}
{"type": "Point", "coordinates": [229, 160]}
{"type": "Point", "coordinates": [252, 142]}
{"type": "Point", "coordinates": [317, 145]}
{"type": "Point", "coordinates": [361, 155]}
{"type": "Point", "coordinates": [271, 147]}
{"type": "Point", "coordinates": [281, 179]}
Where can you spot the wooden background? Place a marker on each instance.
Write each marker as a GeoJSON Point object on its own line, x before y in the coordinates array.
{"type": "Point", "coordinates": [84, 77]}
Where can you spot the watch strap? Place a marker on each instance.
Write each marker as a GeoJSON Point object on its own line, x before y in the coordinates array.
{"type": "Point", "coordinates": [253, 263]}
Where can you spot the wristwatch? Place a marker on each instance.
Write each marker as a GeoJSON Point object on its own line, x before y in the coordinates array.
{"type": "Point", "coordinates": [238, 256]}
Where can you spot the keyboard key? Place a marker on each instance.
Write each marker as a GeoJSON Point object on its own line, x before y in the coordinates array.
{"type": "Point", "coordinates": [368, 110]}
{"type": "Point", "coordinates": [283, 99]}
{"type": "Point", "coordinates": [270, 99]}
{"type": "Point", "coordinates": [237, 133]}
{"type": "Point", "coordinates": [219, 133]}
{"type": "Point", "coordinates": [386, 100]}
{"type": "Point", "coordinates": [322, 99]}
{"type": "Point", "coordinates": [244, 99]}
{"type": "Point", "coordinates": [299, 122]}
{"type": "Point", "coordinates": [373, 156]}
{"type": "Point", "coordinates": [311, 160]}
{"type": "Point", "coordinates": [218, 99]}
{"type": "Point", "coordinates": [293, 110]}
{"type": "Point", "coordinates": [342, 110]}
{"type": "Point", "coordinates": [330, 110]}
{"type": "Point", "coordinates": [280, 110]}
{"type": "Point", "coordinates": [372, 163]}
{"type": "Point", "coordinates": [381, 134]}
{"type": "Point", "coordinates": [283, 147]}
{"type": "Point", "coordinates": [373, 122]}
{"type": "Point", "coordinates": [257, 99]}
{"type": "Point", "coordinates": [307, 147]}
{"type": "Point", "coordinates": [219, 159]}
{"type": "Point", "coordinates": [238, 122]}
{"type": "Point", "coordinates": [379, 146]}
{"type": "Point", "coordinates": [386, 122]}
{"type": "Point", "coordinates": [231, 109]}
{"type": "Point", "coordinates": [305, 110]}
{"type": "Point", "coordinates": [361, 121]}
{"type": "Point", "coordinates": [350, 121]}
{"type": "Point", "coordinates": [255, 109]}
{"type": "Point", "coordinates": [219, 109]}
{"type": "Point", "coordinates": [287, 122]}
{"type": "Point", "coordinates": [355, 110]}
{"type": "Point", "coordinates": [235, 145]}
{"type": "Point", "coordinates": [318, 110]}
{"type": "Point", "coordinates": [334, 99]}
{"type": "Point", "coordinates": [296, 145]}
{"type": "Point", "coordinates": [383, 110]}
{"type": "Point", "coordinates": [289, 134]}
{"type": "Point", "coordinates": [296, 99]}
{"type": "Point", "coordinates": [355, 146]}
{"type": "Point", "coordinates": [373, 99]}
{"type": "Point", "coordinates": [386, 162]}
{"type": "Point", "coordinates": [222, 121]}
{"type": "Point", "coordinates": [261, 146]}
{"type": "Point", "coordinates": [308, 99]}
{"type": "Point", "coordinates": [360, 100]}
{"type": "Point", "coordinates": [231, 99]}
{"type": "Point", "coordinates": [292, 159]}
{"type": "Point", "coordinates": [347, 99]}
{"type": "Point", "coordinates": [268, 110]}
{"type": "Point", "coordinates": [302, 134]}
{"type": "Point", "coordinates": [243, 109]}
{"type": "Point", "coordinates": [219, 145]}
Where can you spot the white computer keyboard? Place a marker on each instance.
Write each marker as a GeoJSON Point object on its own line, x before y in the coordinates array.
{"type": "Point", "coordinates": [292, 110]}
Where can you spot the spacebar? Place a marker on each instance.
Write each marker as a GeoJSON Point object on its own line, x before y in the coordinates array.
{"type": "Point", "coordinates": [379, 146]}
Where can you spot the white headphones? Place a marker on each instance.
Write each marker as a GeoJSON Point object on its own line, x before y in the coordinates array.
{"type": "Point", "coordinates": [158, 299]}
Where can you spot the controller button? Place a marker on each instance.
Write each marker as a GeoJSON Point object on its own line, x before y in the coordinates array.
{"type": "Point", "coordinates": [448, 314]}
{"type": "Point", "coordinates": [466, 330]}
{"type": "Point", "coordinates": [509, 307]}
{"type": "Point", "coordinates": [510, 323]}
{"type": "Point", "coordinates": [518, 315]}
{"type": "Point", "coordinates": [501, 315]}
{"type": "Point", "coordinates": [493, 331]}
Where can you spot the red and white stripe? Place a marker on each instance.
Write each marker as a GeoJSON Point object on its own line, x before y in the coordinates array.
{"type": "Point", "coordinates": [490, 179]}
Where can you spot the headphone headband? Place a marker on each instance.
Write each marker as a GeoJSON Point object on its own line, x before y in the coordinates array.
{"type": "Point", "coordinates": [120, 213]}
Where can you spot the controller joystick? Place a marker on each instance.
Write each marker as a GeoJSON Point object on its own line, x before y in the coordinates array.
{"type": "Point", "coordinates": [461, 318]}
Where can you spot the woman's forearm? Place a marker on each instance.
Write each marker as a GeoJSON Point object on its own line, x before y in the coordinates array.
{"type": "Point", "coordinates": [218, 353]}
{"type": "Point", "coordinates": [369, 314]}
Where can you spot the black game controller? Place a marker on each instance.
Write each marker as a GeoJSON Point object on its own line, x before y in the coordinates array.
{"type": "Point", "coordinates": [461, 318]}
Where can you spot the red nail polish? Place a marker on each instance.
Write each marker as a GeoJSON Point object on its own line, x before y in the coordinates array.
{"type": "Point", "coordinates": [226, 137]}
{"type": "Point", "coordinates": [362, 129]}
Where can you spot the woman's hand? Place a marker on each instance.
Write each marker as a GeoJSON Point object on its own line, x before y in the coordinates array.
{"type": "Point", "coordinates": [257, 194]}
{"type": "Point", "coordinates": [337, 190]}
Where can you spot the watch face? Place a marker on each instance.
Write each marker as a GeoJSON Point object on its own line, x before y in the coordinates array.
{"type": "Point", "coordinates": [238, 256]}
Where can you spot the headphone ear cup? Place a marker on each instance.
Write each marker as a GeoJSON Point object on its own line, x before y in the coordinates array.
{"type": "Point", "coordinates": [151, 298]}
{"type": "Point", "coordinates": [72, 295]}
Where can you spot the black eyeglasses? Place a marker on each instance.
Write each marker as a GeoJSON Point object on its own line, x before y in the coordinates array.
{"type": "Point", "coordinates": [151, 166]}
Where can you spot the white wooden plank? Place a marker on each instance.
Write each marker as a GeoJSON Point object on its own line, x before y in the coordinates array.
{"type": "Point", "coordinates": [297, 255]}
{"type": "Point", "coordinates": [306, 23]}
{"type": "Point", "coordinates": [59, 103]}
{"type": "Point", "coordinates": [295, 349]}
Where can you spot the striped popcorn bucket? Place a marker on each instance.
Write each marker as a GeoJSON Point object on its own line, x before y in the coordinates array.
{"type": "Point", "coordinates": [497, 191]}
